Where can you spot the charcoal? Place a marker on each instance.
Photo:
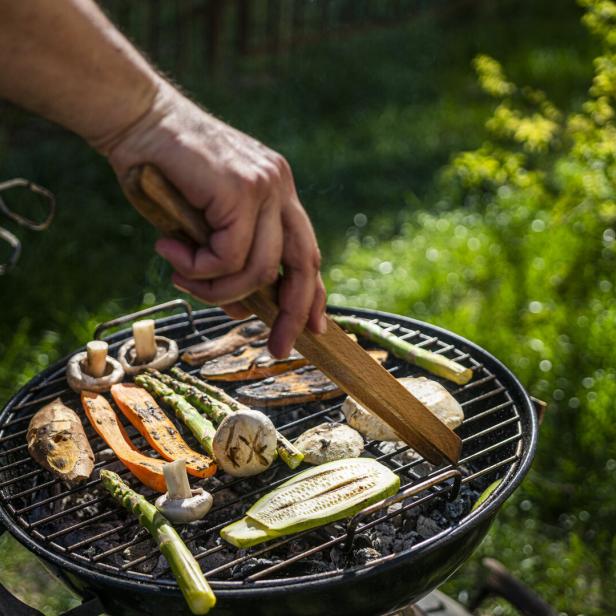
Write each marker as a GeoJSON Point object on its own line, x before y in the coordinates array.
{"type": "Point", "coordinates": [455, 509]}
{"type": "Point", "coordinates": [365, 555]}
{"type": "Point", "coordinates": [138, 550]}
{"type": "Point", "coordinates": [427, 527]}
{"type": "Point", "coordinates": [250, 566]}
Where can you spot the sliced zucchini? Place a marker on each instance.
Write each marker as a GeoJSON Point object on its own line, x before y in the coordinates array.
{"type": "Point", "coordinates": [315, 497]}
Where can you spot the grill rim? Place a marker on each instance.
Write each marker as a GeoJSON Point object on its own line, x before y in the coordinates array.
{"type": "Point", "coordinates": [230, 589]}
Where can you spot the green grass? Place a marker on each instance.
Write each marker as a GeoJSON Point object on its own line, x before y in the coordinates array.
{"type": "Point", "coordinates": [368, 124]}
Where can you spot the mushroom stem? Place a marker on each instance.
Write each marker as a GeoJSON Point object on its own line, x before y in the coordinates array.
{"type": "Point", "coordinates": [177, 480]}
{"type": "Point", "coordinates": [145, 341]}
{"type": "Point", "coordinates": [97, 358]}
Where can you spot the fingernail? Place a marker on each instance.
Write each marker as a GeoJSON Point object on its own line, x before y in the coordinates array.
{"type": "Point", "coordinates": [322, 326]}
{"type": "Point", "coordinates": [181, 288]}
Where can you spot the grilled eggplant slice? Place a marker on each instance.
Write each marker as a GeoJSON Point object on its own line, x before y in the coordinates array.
{"type": "Point", "coordinates": [429, 392]}
{"type": "Point", "coordinates": [239, 336]}
{"type": "Point", "coordinates": [315, 497]}
{"type": "Point", "coordinates": [301, 386]}
{"type": "Point", "coordinates": [249, 362]}
{"type": "Point", "coordinates": [328, 442]}
{"type": "Point", "coordinates": [57, 441]}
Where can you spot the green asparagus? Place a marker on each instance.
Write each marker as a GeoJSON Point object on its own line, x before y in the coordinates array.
{"type": "Point", "coordinates": [201, 427]}
{"type": "Point", "coordinates": [211, 390]}
{"type": "Point", "coordinates": [432, 362]}
{"type": "Point", "coordinates": [185, 569]}
{"type": "Point", "coordinates": [218, 409]}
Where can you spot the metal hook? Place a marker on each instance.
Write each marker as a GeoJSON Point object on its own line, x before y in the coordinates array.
{"type": "Point", "coordinates": [48, 196]}
{"type": "Point", "coordinates": [10, 239]}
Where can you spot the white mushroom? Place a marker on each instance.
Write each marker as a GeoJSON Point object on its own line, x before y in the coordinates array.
{"type": "Point", "coordinates": [93, 370]}
{"type": "Point", "coordinates": [146, 350]}
{"type": "Point", "coordinates": [328, 442]}
{"type": "Point", "coordinates": [181, 504]}
{"type": "Point", "coordinates": [245, 443]}
{"type": "Point", "coordinates": [431, 393]}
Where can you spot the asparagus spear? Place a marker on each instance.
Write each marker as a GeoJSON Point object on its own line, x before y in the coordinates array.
{"type": "Point", "coordinates": [201, 427]}
{"type": "Point", "coordinates": [211, 390]}
{"type": "Point", "coordinates": [185, 569]}
{"type": "Point", "coordinates": [432, 362]}
{"type": "Point", "coordinates": [218, 410]}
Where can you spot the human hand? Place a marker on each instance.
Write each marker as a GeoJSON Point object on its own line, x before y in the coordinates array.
{"type": "Point", "coordinates": [249, 201]}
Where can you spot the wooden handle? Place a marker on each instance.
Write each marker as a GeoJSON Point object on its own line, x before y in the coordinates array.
{"type": "Point", "coordinates": [338, 356]}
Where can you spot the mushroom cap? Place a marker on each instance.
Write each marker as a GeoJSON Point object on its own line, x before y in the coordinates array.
{"type": "Point", "coordinates": [78, 378]}
{"type": "Point", "coordinates": [166, 355]}
{"type": "Point", "coordinates": [245, 443]}
{"type": "Point", "coordinates": [185, 510]}
{"type": "Point", "coordinates": [328, 442]}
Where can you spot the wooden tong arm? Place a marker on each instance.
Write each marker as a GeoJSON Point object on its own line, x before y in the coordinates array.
{"type": "Point", "coordinates": [339, 357]}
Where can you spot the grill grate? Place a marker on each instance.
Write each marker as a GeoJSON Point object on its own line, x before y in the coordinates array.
{"type": "Point", "coordinates": [83, 525]}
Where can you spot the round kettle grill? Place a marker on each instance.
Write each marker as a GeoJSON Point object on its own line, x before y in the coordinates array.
{"type": "Point", "coordinates": [387, 556]}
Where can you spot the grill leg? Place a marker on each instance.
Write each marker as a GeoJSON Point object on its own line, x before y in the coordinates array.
{"type": "Point", "coordinates": [500, 583]}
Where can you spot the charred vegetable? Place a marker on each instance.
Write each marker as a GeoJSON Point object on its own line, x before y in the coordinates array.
{"type": "Point", "coordinates": [186, 571]}
{"type": "Point", "coordinates": [249, 362]}
{"type": "Point", "coordinates": [432, 362]}
{"type": "Point", "coordinates": [93, 369]}
{"type": "Point", "coordinates": [245, 443]}
{"type": "Point", "coordinates": [146, 350]}
{"type": "Point", "coordinates": [328, 442]}
{"type": "Point", "coordinates": [201, 427]}
{"type": "Point", "coordinates": [301, 386]}
{"type": "Point", "coordinates": [143, 412]}
{"type": "Point", "coordinates": [234, 339]}
{"type": "Point", "coordinates": [105, 421]}
{"type": "Point", "coordinates": [56, 440]}
{"type": "Point", "coordinates": [429, 392]}
{"type": "Point", "coordinates": [211, 390]}
{"type": "Point", "coordinates": [181, 504]}
{"type": "Point", "coordinates": [219, 405]}
{"type": "Point", "coordinates": [315, 497]}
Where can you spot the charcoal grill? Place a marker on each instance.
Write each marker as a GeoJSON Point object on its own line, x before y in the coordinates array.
{"type": "Point", "coordinates": [99, 549]}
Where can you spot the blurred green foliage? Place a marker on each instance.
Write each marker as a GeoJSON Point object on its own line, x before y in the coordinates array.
{"type": "Point", "coordinates": [511, 243]}
{"type": "Point", "coordinates": [526, 267]}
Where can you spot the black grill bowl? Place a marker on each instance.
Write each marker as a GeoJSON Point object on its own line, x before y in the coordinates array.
{"type": "Point", "coordinates": [499, 438]}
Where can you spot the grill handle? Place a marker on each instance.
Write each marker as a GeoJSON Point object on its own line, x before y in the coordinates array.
{"type": "Point", "coordinates": [133, 316]}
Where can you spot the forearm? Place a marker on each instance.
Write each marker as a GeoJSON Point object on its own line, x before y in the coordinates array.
{"type": "Point", "coordinates": [65, 61]}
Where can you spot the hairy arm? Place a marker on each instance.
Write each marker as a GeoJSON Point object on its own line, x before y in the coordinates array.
{"type": "Point", "coordinates": [65, 60]}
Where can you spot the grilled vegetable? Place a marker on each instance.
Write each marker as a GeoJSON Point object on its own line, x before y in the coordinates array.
{"type": "Point", "coordinates": [181, 504]}
{"type": "Point", "coordinates": [245, 443]}
{"type": "Point", "coordinates": [93, 369]}
{"type": "Point", "coordinates": [301, 386]}
{"type": "Point", "coordinates": [186, 571]}
{"type": "Point", "coordinates": [197, 393]}
{"type": "Point", "coordinates": [56, 440]}
{"type": "Point", "coordinates": [429, 392]}
{"type": "Point", "coordinates": [234, 339]}
{"type": "Point", "coordinates": [201, 427]}
{"type": "Point", "coordinates": [315, 497]}
{"type": "Point", "coordinates": [143, 412]}
{"type": "Point", "coordinates": [328, 442]}
{"type": "Point", "coordinates": [250, 362]}
{"type": "Point", "coordinates": [105, 421]}
{"type": "Point", "coordinates": [432, 362]}
{"type": "Point", "coordinates": [211, 390]}
{"type": "Point", "coordinates": [146, 350]}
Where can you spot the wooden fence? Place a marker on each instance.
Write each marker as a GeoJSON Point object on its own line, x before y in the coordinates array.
{"type": "Point", "coordinates": [193, 37]}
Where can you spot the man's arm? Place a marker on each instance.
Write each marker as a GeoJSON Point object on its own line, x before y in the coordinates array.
{"type": "Point", "coordinates": [67, 62]}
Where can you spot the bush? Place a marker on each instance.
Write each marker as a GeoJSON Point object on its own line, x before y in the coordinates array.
{"type": "Point", "coordinates": [519, 255]}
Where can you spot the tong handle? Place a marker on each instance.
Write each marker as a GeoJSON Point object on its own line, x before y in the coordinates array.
{"type": "Point", "coordinates": [334, 353]}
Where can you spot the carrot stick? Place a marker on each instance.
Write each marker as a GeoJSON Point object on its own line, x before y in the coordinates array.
{"type": "Point", "coordinates": [143, 412]}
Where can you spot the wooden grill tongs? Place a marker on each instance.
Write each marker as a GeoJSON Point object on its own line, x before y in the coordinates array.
{"type": "Point", "coordinates": [338, 356]}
